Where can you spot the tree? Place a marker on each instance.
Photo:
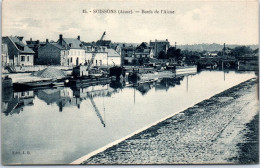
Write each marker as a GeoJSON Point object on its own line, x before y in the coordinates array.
{"type": "Point", "coordinates": [192, 57]}
{"type": "Point", "coordinates": [134, 62]}
{"type": "Point", "coordinates": [241, 51]}
{"type": "Point", "coordinates": [162, 55]}
{"type": "Point", "coordinates": [141, 61]}
{"type": "Point", "coordinates": [174, 53]}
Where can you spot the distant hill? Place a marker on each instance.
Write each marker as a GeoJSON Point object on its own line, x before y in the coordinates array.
{"type": "Point", "coordinates": [195, 47]}
{"type": "Point", "coordinates": [126, 44]}
{"type": "Point", "coordinates": [210, 47]}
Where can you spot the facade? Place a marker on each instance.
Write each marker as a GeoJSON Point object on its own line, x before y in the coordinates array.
{"type": "Point", "coordinates": [53, 54]}
{"type": "Point", "coordinates": [35, 45]}
{"type": "Point", "coordinates": [118, 49]}
{"type": "Point", "coordinates": [76, 51]}
{"type": "Point", "coordinates": [4, 54]}
{"type": "Point", "coordinates": [114, 58]}
{"type": "Point", "coordinates": [19, 53]}
{"type": "Point", "coordinates": [144, 51]}
{"type": "Point", "coordinates": [160, 45]}
{"type": "Point", "coordinates": [100, 53]}
{"type": "Point", "coordinates": [127, 54]}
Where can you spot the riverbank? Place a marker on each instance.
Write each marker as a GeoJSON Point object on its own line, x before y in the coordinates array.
{"type": "Point", "coordinates": [211, 132]}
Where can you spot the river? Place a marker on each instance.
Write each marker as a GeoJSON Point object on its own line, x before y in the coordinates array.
{"type": "Point", "coordinates": [60, 125]}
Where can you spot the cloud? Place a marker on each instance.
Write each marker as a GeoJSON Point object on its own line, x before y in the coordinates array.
{"type": "Point", "coordinates": [193, 21]}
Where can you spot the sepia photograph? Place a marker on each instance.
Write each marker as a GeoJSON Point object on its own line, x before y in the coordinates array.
{"type": "Point", "coordinates": [164, 82]}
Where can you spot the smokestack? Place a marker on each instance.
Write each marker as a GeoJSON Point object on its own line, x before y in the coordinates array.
{"type": "Point", "coordinates": [78, 37]}
{"type": "Point", "coordinates": [20, 38]}
{"type": "Point", "coordinates": [60, 39]}
{"type": "Point", "coordinates": [167, 40]}
{"type": "Point", "coordinates": [30, 39]}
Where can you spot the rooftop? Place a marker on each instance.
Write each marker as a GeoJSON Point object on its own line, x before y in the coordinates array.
{"type": "Point", "coordinates": [75, 43]}
{"type": "Point", "coordinates": [20, 45]}
{"type": "Point", "coordinates": [58, 46]}
{"type": "Point", "coordinates": [112, 53]}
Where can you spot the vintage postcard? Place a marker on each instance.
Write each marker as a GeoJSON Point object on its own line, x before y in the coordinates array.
{"type": "Point", "coordinates": [129, 82]}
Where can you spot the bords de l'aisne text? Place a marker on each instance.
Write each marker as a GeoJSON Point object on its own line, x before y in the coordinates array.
{"type": "Point", "coordinates": [131, 11]}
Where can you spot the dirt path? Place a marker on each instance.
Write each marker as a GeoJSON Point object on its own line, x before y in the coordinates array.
{"type": "Point", "coordinates": [215, 131]}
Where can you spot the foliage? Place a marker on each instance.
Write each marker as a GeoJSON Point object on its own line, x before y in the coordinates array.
{"type": "Point", "coordinates": [162, 55]}
{"type": "Point", "coordinates": [174, 53]}
{"type": "Point", "coordinates": [116, 71]}
{"type": "Point", "coordinates": [191, 57]}
{"type": "Point", "coordinates": [241, 51]}
{"type": "Point", "coordinates": [134, 62]}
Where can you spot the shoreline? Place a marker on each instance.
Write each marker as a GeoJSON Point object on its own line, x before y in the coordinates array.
{"type": "Point", "coordinates": [127, 151]}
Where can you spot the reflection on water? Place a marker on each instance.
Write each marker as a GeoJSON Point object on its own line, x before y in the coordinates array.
{"type": "Point", "coordinates": [59, 125]}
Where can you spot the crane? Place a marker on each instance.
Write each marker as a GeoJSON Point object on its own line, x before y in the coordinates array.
{"type": "Point", "coordinates": [102, 37]}
{"type": "Point", "coordinates": [95, 52]}
{"type": "Point", "coordinates": [97, 111]}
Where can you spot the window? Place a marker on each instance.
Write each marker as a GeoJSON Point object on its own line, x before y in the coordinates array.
{"type": "Point", "coordinates": [22, 58]}
{"type": "Point", "coordinates": [71, 59]}
{"type": "Point", "coordinates": [28, 58]}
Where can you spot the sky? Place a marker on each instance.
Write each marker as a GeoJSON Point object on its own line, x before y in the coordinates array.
{"type": "Point", "coordinates": [193, 22]}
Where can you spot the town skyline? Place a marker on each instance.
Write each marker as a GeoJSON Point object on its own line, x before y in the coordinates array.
{"type": "Point", "coordinates": [193, 22]}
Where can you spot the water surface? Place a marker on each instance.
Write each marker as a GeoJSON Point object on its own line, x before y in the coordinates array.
{"type": "Point", "coordinates": [60, 125]}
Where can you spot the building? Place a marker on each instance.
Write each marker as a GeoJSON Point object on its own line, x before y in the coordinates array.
{"type": "Point", "coordinates": [118, 49]}
{"type": "Point", "coordinates": [53, 54]}
{"type": "Point", "coordinates": [143, 51]}
{"type": "Point", "coordinates": [4, 54]}
{"type": "Point", "coordinates": [76, 51]}
{"type": "Point", "coordinates": [19, 53]}
{"type": "Point", "coordinates": [226, 51]}
{"type": "Point", "coordinates": [105, 43]}
{"type": "Point", "coordinates": [159, 46]}
{"type": "Point", "coordinates": [35, 45]}
{"type": "Point", "coordinates": [114, 58]}
{"type": "Point", "coordinates": [99, 53]}
{"type": "Point", "coordinates": [127, 54]}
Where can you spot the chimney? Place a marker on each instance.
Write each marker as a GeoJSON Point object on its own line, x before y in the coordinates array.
{"type": "Point", "coordinates": [47, 41]}
{"type": "Point", "coordinates": [60, 39]}
{"type": "Point", "coordinates": [175, 45]}
{"type": "Point", "coordinates": [30, 39]}
{"type": "Point", "coordinates": [167, 40]}
{"type": "Point", "coordinates": [20, 38]}
{"type": "Point", "coordinates": [78, 37]}
{"type": "Point", "coordinates": [37, 42]}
